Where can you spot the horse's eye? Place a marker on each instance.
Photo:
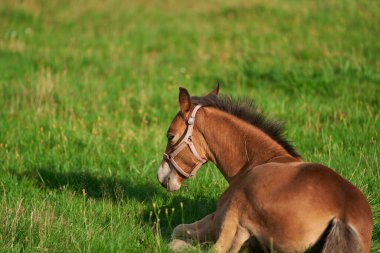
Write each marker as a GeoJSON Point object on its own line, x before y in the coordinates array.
{"type": "Point", "coordinates": [170, 136]}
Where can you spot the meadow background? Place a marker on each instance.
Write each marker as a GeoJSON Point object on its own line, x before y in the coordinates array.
{"type": "Point", "coordinates": [88, 89]}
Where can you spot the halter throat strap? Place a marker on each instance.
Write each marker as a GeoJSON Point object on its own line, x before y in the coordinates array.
{"type": "Point", "coordinates": [186, 141]}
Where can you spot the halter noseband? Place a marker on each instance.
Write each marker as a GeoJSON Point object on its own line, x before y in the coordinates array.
{"type": "Point", "coordinates": [186, 141]}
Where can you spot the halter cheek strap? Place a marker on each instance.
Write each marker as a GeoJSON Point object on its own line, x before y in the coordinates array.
{"type": "Point", "coordinates": [186, 141]}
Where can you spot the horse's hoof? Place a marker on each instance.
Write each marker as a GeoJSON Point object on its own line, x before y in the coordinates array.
{"type": "Point", "coordinates": [179, 245]}
{"type": "Point", "coordinates": [180, 231]}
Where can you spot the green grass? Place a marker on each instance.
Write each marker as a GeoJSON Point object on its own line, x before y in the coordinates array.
{"type": "Point", "coordinates": [88, 88]}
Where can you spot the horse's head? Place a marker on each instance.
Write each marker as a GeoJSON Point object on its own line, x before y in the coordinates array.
{"type": "Point", "coordinates": [185, 150]}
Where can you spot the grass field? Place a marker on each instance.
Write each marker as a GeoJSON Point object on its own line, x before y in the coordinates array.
{"type": "Point", "coordinates": [88, 88]}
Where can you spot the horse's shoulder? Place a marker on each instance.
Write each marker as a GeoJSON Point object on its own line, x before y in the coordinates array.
{"type": "Point", "coordinates": [295, 166]}
{"type": "Point", "coordinates": [276, 171]}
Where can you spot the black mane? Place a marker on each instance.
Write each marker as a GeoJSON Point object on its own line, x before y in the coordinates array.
{"type": "Point", "coordinates": [245, 109]}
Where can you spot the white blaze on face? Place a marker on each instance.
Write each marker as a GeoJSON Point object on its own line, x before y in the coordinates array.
{"type": "Point", "coordinates": [168, 177]}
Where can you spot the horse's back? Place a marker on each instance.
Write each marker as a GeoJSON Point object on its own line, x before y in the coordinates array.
{"type": "Point", "coordinates": [310, 183]}
{"type": "Point", "coordinates": [299, 200]}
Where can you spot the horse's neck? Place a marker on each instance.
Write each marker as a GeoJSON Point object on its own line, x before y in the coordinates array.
{"type": "Point", "coordinates": [234, 145]}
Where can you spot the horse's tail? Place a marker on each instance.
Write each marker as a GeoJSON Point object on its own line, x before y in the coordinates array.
{"type": "Point", "coordinates": [341, 238]}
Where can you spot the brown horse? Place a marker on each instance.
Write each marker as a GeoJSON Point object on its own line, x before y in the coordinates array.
{"type": "Point", "coordinates": [275, 201]}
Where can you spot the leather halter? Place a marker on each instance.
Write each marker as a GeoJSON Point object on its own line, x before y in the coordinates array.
{"type": "Point", "coordinates": [186, 141]}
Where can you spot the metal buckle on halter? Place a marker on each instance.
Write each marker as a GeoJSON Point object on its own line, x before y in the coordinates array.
{"type": "Point", "coordinates": [191, 120]}
{"type": "Point", "coordinates": [188, 142]}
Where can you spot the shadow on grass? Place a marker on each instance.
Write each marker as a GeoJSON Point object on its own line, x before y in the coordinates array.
{"type": "Point", "coordinates": [95, 186]}
{"type": "Point", "coordinates": [123, 190]}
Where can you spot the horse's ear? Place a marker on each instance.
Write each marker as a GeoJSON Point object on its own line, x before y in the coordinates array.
{"type": "Point", "coordinates": [184, 100]}
{"type": "Point", "coordinates": [215, 91]}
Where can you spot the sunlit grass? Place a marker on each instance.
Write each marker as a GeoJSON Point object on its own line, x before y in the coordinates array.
{"type": "Point", "coordinates": [87, 90]}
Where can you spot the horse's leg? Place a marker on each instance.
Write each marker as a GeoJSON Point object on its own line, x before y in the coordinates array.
{"type": "Point", "coordinates": [254, 246]}
{"type": "Point", "coordinates": [202, 230]}
{"type": "Point", "coordinates": [228, 228]}
{"type": "Point", "coordinates": [241, 236]}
